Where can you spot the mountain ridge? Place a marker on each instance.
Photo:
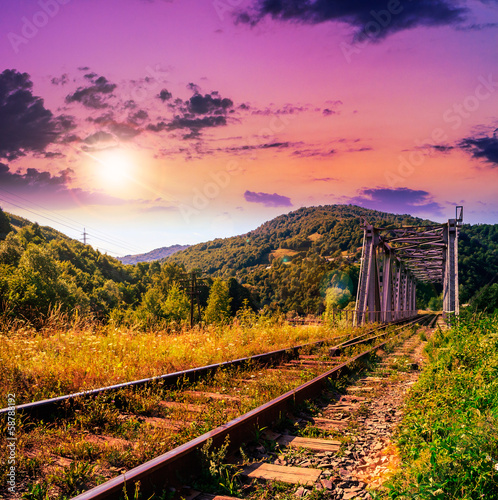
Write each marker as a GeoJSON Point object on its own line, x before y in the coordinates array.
{"type": "Point", "coordinates": [155, 254]}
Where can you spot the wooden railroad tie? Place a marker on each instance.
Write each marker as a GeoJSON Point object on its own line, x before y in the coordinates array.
{"type": "Point", "coordinates": [310, 444]}
{"type": "Point", "coordinates": [293, 475]}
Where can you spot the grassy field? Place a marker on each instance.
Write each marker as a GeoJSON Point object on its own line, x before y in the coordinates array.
{"type": "Point", "coordinates": [68, 357]}
{"type": "Point", "coordinates": [449, 436]}
{"type": "Point", "coordinates": [97, 439]}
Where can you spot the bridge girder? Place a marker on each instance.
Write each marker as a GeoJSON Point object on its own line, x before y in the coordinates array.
{"type": "Point", "coordinates": [395, 259]}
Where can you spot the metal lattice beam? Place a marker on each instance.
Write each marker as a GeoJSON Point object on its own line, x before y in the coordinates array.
{"type": "Point", "coordinates": [395, 259]}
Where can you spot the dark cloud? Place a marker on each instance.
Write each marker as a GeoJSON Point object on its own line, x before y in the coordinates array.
{"type": "Point", "coordinates": [195, 114]}
{"type": "Point", "coordinates": [138, 116]}
{"type": "Point", "coordinates": [397, 200]}
{"type": "Point", "coordinates": [51, 189]}
{"type": "Point", "coordinates": [328, 112]}
{"type": "Point", "coordinates": [194, 87]}
{"type": "Point", "coordinates": [104, 119]}
{"type": "Point", "coordinates": [61, 80]}
{"type": "Point", "coordinates": [441, 148]}
{"type": "Point", "coordinates": [252, 147]}
{"type": "Point", "coordinates": [25, 124]}
{"type": "Point", "coordinates": [209, 104]}
{"type": "Point", "coordinates": [267, 199]}
{"type": "Point", "coordinates": [323, 179]}
{"type": "Point", "coordinates": [312, 152]}
{"type": "Point", "coordinates": [53, 154]}
{"type": "Point", "coordinates": [484, 147]}
{"type": "Point", "coordinates": [124, 131]}
{"type": "Point", "coordinates": [33, 179]}
{"type": "Point", "coordinates": [287, 109]}
{"type": "Point", "coordinates": [165, 95]}
{"type": "Point", "coordinates": [195, 125]}
{"type": "Point", "coordinates": [477, 27]}
{"type": "Point", "coordinates": [363, 15]}
{"type": "Point", "coordinates": [95, 95]}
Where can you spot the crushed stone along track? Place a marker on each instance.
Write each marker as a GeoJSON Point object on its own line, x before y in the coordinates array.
{"type": "Point", "coordinates": [100, 438]}
{"type": "Point", "coordinates": [364, 418]}
{"type": "Point", "coordinates": [338, 418]}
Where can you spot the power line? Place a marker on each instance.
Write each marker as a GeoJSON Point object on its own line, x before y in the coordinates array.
{"type": "Point", "coordinates": [111, 240]}
{"type": "Point", "coordinates": [39, 214]}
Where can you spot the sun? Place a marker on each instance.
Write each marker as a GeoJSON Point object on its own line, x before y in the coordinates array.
{"type": "Point", "coordinates": [114, 168]}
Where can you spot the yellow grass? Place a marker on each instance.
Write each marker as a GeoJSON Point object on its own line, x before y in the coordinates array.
{"type": "Point", "coordinates": [283, 252]}
{"type": "Point", "coordinates": [38, 365]}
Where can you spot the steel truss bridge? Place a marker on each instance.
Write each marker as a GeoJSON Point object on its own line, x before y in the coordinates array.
{"type": "Point", "coordinates": [395, 259]}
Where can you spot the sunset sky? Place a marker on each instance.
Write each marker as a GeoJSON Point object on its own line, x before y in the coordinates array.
{"type": "Point", "coordinates": [155, 122]}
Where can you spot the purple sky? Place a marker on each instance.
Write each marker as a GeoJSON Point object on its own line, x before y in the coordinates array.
{"type": "Point", "coordinates": [152, 123]}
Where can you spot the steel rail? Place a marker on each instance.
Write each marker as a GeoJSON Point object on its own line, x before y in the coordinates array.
{"type": "Point", "coordinates": [361, 340]}
{"type": "Point", "coordinates": [163, 471]}
{"type": "Point", "coordinates": [44, 408]}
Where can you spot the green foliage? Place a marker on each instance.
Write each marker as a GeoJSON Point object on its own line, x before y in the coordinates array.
{"type": "Point", "coordinates": [285, 265]}
{"type": "Point", "coordinates": [176, 306]}
{"type": "Point", "coordinates": [449, 436]}
{"type": "Point", "coordinates": [42, 270]}
{"type": "Point", "coordinates": [75, 478]}
{"type": "Point", "coordinates": [36, 492]}
{"type": "Point", "coordinates": [5, 227]}
{"type": "Point", "coordinates": [477, 256]}
{"type": "Point", "coordinates": [436, 303]}
{"type": "Point", "coordinates": [218, 306]}
{"type": "Point", "coordinates": [216, 475]}
{"type": "Point", "coordinates": [487, 298]}
{"type": "Point", "coordinates": [319, 240]}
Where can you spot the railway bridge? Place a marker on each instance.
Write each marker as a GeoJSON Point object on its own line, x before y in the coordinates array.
{"type": "Point", "coordinates": [395, 259]}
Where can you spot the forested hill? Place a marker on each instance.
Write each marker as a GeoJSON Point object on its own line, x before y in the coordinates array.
{"type": "Point", "coordinates": [289, 262]}
{"type": "Point", "coordinates": [156, 254]}
{"type": "Point", "coordinates": [327, 231]}
{"type": "Point", "coordinates": [286, 264]}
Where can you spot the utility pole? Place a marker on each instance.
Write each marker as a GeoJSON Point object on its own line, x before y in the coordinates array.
{"type": "Point", "coordinates": [191, 282]}
{"type": "Point", "coordinates": [85, 234]}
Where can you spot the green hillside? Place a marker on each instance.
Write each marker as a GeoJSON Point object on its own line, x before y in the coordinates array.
{"type": "Point", "coordinates": [289, 262]}
{"type": "Point", "coordinates": [42, 269]}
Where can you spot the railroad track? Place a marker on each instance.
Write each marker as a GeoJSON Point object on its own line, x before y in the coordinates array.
{"type": "Point", "coordinates": [47, 407]}
{"type": "Point", "coordinates": [225, 393]}
{"type": "Point", "coordinates": [168, 469]}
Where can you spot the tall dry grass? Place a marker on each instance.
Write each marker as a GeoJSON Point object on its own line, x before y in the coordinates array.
{"type": "Point", "coordinates": [73, 354]}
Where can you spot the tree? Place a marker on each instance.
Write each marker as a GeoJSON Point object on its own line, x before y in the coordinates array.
{"type": "Point", "coordinates": [5, 227]}
{"type": "Point", "coordinates": [176, 307]}
{"type": "Point", "coordinates": [335, 298]}
{"type": "Point", "coordinates": [36, 284]}
{"type": "Point", "coordinates": [218, 305]}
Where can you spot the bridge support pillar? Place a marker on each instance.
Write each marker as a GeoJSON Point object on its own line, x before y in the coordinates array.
{"type": "Point", "coordinates": [451, 305]}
